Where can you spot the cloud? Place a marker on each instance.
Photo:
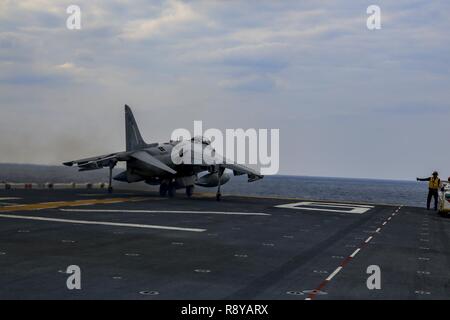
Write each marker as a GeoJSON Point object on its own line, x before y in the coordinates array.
{"type": "Point", "coordinates": [175, 16]}
{"type": "Point", "coordinates": [39, 6]}
{"type": "Point", "coordinates": [249, 83]}
{"type": "Point", "coordinates": [300, 66]}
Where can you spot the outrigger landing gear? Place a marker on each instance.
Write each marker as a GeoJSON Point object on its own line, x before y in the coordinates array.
{"type": "Point", "coordinates": [112, 164]}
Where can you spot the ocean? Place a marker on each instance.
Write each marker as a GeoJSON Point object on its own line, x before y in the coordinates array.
{"type": "Point", "coordinates": [411, 193]}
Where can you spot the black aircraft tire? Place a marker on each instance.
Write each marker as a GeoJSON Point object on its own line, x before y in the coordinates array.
{"type": "Point", "coordinates": [163, 189]}
{"type": "Point", "coordinates": [171, 190]}
{"type": "Point", "coordinates": [189, 191]}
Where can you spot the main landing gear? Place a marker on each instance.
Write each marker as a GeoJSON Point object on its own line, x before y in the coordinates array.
{"type": "Point", "coordinates": [163, 189]}
{"type": "Point", "coordinates": [167, 188]}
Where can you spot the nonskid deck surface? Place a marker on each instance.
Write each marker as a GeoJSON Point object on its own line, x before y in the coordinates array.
{"type": "Point", "coordinates": [134, 245]}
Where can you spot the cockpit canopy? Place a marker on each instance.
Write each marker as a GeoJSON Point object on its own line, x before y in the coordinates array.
{"type": "Point", "coordinates": [202, 140]}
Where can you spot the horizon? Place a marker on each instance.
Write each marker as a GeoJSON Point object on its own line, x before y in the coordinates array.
{"type": "Point", "coordinates": [276, 175]}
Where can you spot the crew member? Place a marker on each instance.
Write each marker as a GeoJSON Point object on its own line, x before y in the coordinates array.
{"type": "Point", "coordinates": [433, 186]}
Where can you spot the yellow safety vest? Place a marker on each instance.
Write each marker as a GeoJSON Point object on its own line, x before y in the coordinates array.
{"type": "Point", "coordinates": [434, 183]}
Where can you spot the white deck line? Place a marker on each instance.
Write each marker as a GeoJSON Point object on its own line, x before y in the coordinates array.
{"type": "Point", "coordinates": [103, 223]}
{"type": "Point", "coordinates": [167, 211]}
{"type": "Point", "coordinates": [335, 272]}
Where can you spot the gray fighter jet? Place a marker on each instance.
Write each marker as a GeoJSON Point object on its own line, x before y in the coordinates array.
{"type": "Point", "coordinates": [153, 163]}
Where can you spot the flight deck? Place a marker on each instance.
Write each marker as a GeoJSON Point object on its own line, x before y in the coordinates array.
{"type": "Point", "coordinates": [137, 245]}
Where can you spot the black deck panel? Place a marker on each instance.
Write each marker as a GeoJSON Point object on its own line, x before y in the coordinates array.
{"type": "Point", "coordinates": [278, 256]}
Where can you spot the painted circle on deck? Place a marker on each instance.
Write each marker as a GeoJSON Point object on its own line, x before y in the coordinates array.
{"type": "Point", "coordinates": [295, 293]}
{"type": "Point", "coordinates": [202, 270]}
{"type": "Point", "coordinates": [321, 271]}
{"type": "Point", "coordinates": [422, 292]}
{"type": "Point", "coordinates": [266, 244]}
{"type": "Point", "coordinates": [316, 292]}
{"type": "Point", "coordinates": [149, 293]}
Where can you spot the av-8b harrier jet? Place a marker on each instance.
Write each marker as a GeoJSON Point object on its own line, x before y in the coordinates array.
{"type": "Point", "coordinates": [154, 163]}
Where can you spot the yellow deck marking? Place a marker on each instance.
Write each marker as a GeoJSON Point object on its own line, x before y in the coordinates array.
{"type": "Point", "coordinates": [74, 203]}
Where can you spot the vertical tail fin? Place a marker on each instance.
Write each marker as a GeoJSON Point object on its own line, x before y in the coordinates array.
{"type": "Point", "coordinates": [133, 136]}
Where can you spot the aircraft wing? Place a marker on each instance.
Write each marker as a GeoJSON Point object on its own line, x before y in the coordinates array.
{"type": "Point", "coordinates": [238, 169]}
{"type": "Point", "coordinates": [152, 161]}
{"type": "Point", "coordinates": [98, 162]}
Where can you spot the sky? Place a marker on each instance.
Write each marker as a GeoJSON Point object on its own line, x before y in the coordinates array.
{"type": "Point", "coordinates": [348, 101]}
